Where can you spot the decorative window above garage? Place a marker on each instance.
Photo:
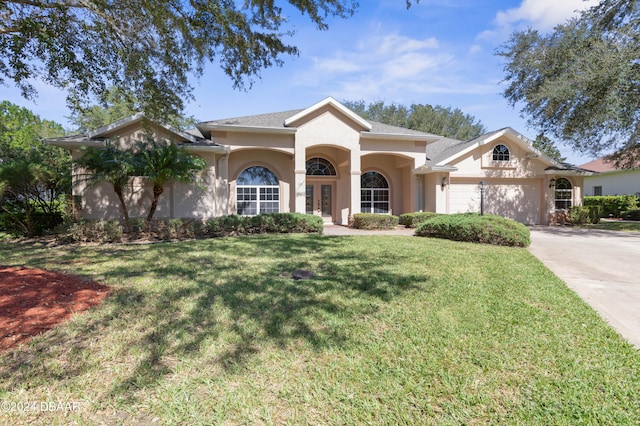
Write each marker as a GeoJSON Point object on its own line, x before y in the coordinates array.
{"type": "Point", "coordinates": [500, 153]}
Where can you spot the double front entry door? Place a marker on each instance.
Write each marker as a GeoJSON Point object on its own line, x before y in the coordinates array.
{"type": "Point", "coordinates": [320, 200]}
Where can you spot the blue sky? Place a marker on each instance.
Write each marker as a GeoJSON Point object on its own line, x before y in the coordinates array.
{"type": "Point", "coordinates": [437, 52]}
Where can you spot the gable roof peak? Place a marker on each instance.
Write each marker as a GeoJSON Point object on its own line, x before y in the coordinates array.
{"type": "Point", "coordinates": [329, 101]}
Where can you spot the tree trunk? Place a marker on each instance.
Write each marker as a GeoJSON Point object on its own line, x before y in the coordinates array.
{"type": "Point", "coordinates": [123, 207]}
{"type": "Point", "coordinates": [157, 191]}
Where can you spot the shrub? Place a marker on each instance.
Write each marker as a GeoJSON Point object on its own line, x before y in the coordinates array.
{"type": "Point", "coordinates": [581, 215]}
{"type": "Point", "coordinates": [175, 229]}
{"type": "Point", "coordinates": [631, 214]}
{"type": "Point", "coordinates": [374, 221]}
{"type": "Point", "coordinates": [472, 227]}
{"type": "Point", "coordinates": [412, 220]}
{"type": "Point", "coordinates": [612, 205]}
{"type": "Point", "coordinates": [99, 231]}
{"type": "Point", "coordinates": [14, 221]}
{"type": "Point", "coordinates": [264, 223]}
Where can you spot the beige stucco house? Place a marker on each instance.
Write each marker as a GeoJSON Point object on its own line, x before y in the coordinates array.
{"type": "Point", "coordinates": [328, 161]}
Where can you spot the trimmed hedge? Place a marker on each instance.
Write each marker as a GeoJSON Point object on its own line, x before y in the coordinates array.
{"type": "Point", "coordinates": [631, 214]}
{"type": "Point", "coordinates": [612, 205]}
{"type": "Point", "coordinates": [283, 223]}
{"type": "Point", "coordinates": [472, 227]}
{"type": "Point", "coordinates": [412, 220]}
{"type": "Point", "coordinates": [112, 231]}
{"type": "Point", "coordinates": [374, 221]}
{"type": "Point", "coordinates": [581, 215]}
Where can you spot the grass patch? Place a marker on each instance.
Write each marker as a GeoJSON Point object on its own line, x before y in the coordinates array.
{"type": "Point", "coordinates": [390, 330]}
{"type": "Point", "coordinates": [616, 226]}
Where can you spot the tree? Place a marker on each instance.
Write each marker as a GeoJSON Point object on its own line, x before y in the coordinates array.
{"type": "Point", "coordinates": [150, 48]}
{"type": "Point", "coordinates": [34, 176]}
{"type": "Point", "coordinates": [547, 147]}
{"type": "Point", "coordinates": [113, 165]}
{"type": "Point", "coordinates": [451, 123]}
{"type": "Point", "coordinates": [163, 162]}
{"type": "Point", "coordinates": [118, 105]}
{"type": "Point", "coordinates": [581, 82]}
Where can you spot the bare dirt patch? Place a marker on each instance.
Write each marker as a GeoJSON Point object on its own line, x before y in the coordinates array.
{"type": "Point", "coordinates": [33, 301]}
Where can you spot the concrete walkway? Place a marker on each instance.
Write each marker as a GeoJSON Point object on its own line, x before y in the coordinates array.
{"type": "Point", "coordinates": [600, 266]}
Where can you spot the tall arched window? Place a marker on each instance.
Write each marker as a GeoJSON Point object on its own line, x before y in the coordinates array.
{"type": "Point", "coordinates": [500, 153]}
{"type": "Point", "coordinates": [257, 191]}
{"type": "Point", "coordinates": [563, 193]}
{"type": "Point", "coordinates": [374, 193]}
{"type": "Point", "coordinates": [320, 167]}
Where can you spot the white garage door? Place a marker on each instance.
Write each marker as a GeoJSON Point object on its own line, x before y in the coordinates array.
{"type": "Point", "coordinates": [520, 201]}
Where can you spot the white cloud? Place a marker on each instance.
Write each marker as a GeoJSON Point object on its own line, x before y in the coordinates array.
{"type": "Point", "coordinates": [377, 67]}
{"type": "Point", "coordinates": [542, 15]}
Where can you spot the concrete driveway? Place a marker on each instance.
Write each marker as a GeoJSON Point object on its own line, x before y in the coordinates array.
{"type": "Point", "coordinates": [598, 265]}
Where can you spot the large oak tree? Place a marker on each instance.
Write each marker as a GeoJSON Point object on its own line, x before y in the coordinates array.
{"type": "Point", "coordinates": [581, 83]}
{"type": "Point", "coordinates": [444, 121]}
{"type": "Point", "coordinates": [146, 47]}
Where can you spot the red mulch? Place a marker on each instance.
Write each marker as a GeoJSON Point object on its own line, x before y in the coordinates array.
{"type": "Point", "coordinates": [33, 301]}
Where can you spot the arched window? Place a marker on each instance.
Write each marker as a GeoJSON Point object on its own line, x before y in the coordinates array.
{"type": "Point", "coordinates": [500, 153]}
{"type": "Point", "coordinates": [320, 167]}
{"type": "Point", "coordinates": [563, 193]}
{"type": "Point", "coordinates": [374, 193]}
{"type": "Point", "coordinates": [257, 191]}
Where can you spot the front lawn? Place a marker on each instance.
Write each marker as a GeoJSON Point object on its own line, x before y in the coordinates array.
{"type": "Point", "coordinates": [390, 330]}
{"type": "Point", "coordinates": [618, 225]}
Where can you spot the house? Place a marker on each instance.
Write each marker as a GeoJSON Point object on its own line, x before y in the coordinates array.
{"type": "Point", "coordinates": [610, 180]}
{"type": "Point", "coordinates": [327, 160]}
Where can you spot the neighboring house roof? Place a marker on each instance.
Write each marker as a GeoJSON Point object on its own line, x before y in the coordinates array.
{"type": "Point", "coordinates": [605, 165]}
{"type": "Point", "coordinates": [280, 122]}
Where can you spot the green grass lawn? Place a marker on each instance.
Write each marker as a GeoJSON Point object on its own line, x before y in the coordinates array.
{"type": "Point", "coordinates": [621, 225]}
{"type": "Point", "coordinates": [391, 330]}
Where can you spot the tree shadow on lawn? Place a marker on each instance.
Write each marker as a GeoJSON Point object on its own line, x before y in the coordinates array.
{"type": "Point", "coordinates": [199, 299]}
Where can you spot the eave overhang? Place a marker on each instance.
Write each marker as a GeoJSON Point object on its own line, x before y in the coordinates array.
{"type": "Point", "coordinates": [424, 169]}
{"type": "Point", "coordinates": [398, 136]}
{"type": "Point", "coordinates": [248, 129]}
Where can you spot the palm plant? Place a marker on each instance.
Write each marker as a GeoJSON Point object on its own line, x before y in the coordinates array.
{"type": "Point", "coordinates": [163, 162]}
{"type": "Point", "coordinates": [112, 165]}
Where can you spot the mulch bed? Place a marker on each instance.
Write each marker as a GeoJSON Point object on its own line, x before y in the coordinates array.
{"type": "Point", "coordinates": [33, 301]}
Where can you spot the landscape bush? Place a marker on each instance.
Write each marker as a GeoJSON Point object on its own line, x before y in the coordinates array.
{"type": "Point", "coordinates": [374, 221]}
{"type": "Point", "coordinates": [631, 214]}
{"type": "Point", "coordinates": [265, 223]}
{"type": "Point", "coordinates": [612, 205]}
{"type": "Point", "coordinates": [95, 231]}
{"type": "Point", "coordinates": [13, 222]}
{"type": "Point", "coordinates": [583, 215]}
{"type": "Point", "coordinates": [412, 220]}
{"type": "Point", "coordinates": [112, 231]}
{"type": "Point", "coordinates": [473, 227]}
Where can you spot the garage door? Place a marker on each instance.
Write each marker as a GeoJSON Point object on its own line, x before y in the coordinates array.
{"type": "Point", "coordinates": [520, 201]}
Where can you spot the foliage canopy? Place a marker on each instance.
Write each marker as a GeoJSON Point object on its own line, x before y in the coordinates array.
{"type": "Point", "coordinates": [150, 48]}
{"type": "Point", "coordinates": [34, 176]}
{"type": "Point", "coordinates": [580, 83]}
{"type": "Point", "coordinates": [439, 120]}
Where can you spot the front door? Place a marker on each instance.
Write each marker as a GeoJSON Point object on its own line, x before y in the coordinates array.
{"type": "Point", "coordinates": [319, 200]}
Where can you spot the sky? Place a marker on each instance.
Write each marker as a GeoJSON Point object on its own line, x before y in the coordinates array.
{"type": "Point", "coordinates": [438, 52]}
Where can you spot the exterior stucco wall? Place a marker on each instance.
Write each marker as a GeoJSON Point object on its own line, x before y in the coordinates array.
{"type": "Point", "coordinates": [397, 172]}
{"type": "Point", "coordinates": [279, 163]}
{"type": "Point", "coordinates": [479, 162]}
{"type": "Point", "coordinates": [99, 201]}
{"type": "Point", "coordinates": [614, 183]}
{"type": "Point", "coordinates": [516, 189]}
